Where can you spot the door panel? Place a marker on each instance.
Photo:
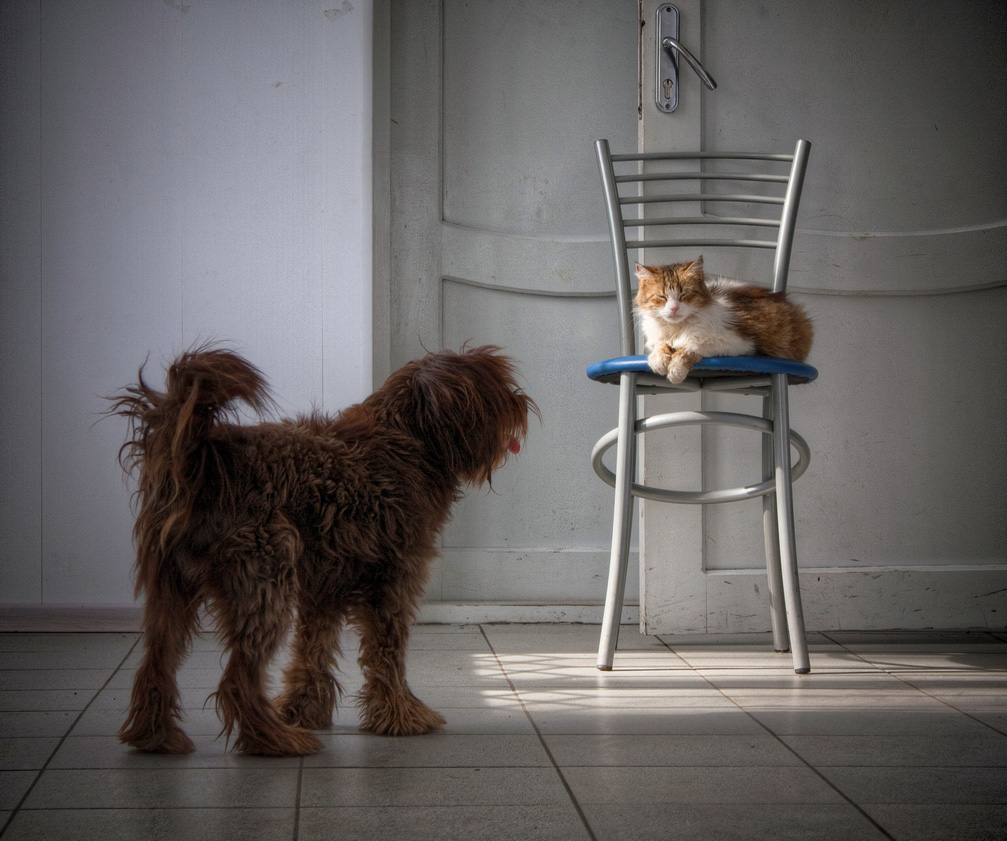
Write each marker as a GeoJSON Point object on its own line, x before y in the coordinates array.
{"type": "Point", "coordinates": [899, 258]}
{"type": "Point", "coordinates": [499, 237]}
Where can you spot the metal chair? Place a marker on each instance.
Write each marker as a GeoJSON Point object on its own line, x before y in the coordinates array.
{"type": "Point", "coordinates": [691, 201]}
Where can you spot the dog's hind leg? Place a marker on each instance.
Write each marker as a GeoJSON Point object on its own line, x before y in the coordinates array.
{"type": "Point", "coordinates": [311, 689]}
{"type": "Point", "coordinates": [241, 697]}
{"type": "Point", "coordinates": [169, 620]}
{"type": "Point", "coordinates": [387, 705]}
{"type": "Point", "coordinates": [253, 609]}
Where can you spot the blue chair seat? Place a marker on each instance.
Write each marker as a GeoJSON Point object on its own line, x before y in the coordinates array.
{"type": "Point", "coordinates": [608, 370]}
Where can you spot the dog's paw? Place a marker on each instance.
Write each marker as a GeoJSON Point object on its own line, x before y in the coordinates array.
{"type": "Point", "coordinates": [399, 714]}
{"type": "Point", "coordinates": [285, 741]}
{"type": "Point", "coordinates": [159, 740]}
{"type": "Point", "coordinates": [309, 718]}
{"type": "Point", "coordinates": [309, 710]}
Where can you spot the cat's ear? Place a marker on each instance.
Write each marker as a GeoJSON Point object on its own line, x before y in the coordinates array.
{"type": "Point", "coordinates": [696, 266]}
{"type": "Point", "coordinates": [643, 272]}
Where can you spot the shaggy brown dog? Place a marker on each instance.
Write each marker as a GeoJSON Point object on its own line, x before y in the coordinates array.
{"type": "Point", "coordinates": [332, 519]}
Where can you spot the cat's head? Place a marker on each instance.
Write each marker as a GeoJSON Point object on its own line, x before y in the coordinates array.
{"type": "Point", "coordinates": [672, 293]}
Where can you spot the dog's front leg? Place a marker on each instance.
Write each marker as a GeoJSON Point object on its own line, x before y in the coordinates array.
{"type": "Point", "coordinates": [387, 705]}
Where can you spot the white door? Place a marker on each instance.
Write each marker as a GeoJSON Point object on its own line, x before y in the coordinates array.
{"type": "Point", "coordinates": [900, 258]}
{"type": "Point", "coordinates": [498, 237]}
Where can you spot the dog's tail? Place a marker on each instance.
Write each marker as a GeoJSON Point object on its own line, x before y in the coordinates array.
{"type": "Point", "coordinates": [167, 448]}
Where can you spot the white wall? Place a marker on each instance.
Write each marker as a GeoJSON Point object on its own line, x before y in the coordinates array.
{"type": "Point", "coordinates": [171, 172]}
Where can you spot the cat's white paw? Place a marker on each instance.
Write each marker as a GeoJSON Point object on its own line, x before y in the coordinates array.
{"type": "Point", "coordinates": [678, 371]}
{"type": "Point", "coordinates": [658, 363]}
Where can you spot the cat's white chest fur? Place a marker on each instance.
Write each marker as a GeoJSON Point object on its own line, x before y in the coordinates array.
{"type": "Point", "coordinates": [704, 330]}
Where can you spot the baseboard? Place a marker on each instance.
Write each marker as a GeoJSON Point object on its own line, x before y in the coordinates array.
{"type": "Point", "coordinates": [69, 619]}
{"type": "Point", "coordinates": [451, 613]}
{"type": "Point", "coordinates": [126, 619]}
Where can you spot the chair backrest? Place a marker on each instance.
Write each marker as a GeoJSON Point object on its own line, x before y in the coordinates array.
{"type": "Point", "coordinates": [695, 200]}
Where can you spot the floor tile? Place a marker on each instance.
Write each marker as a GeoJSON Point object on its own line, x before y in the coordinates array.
{"type": "Point", "coordinates": [973, 703]}
{"type": "Point", "coordinates": [686, 738]}
{"type": "Point", "coordinates": [108, 752]}
{"type": "Point", "coordinates": [831, 659]}
{"type": "Point", "coordinates": [464, 639]}
{"type": "Point", "coordinates": [946, 660]}
{"type": "Point", "coordinates": [128, 824]}
{"type": "Point", "coordinates": [745, 641]}
{"type": "Point", "coordinates": [756, 822]}
{"type": "Point", "coordinates": [495, 721]}
{"type": "Point", "coordinates": [737, 680]}
{"type": "Point", "coordinates": [165, 787]}
{"type": "Point", "coordinates": [922, 786]}
{"type": "Point", "coordinates": [106, 720]}
{"type": "Point", "coordinates": [45, 699]}
{"type": "Point", "coordinates": [894, 640]}
{"type": "Point", "coordinates": [941, 823]}
{"type": "Point", "coordinates": [48, 679]}
{"type": "Point", "coordinates": [759, 749]}
{"type": "Point", "coordinates": [725, 720]}
{"type": "Point", "coordinates": [996, 719]}
{"type": "Point", "coordinates": [615, 697]}
{"type": "Point", "coordinates": [836, 699]}
{"type": "Point", "coordinates": [13, 785]}
{"type": "Point", "coordinates": [18, 754]}
{"type": "Point", "coordinates": [36, 722]}
{"type": "Point", "coordinates": [429, 751]}
{"type": "Point", "coordinates": [114, 644]}
{"type": "Point", "coordinates": [935, 719]}
{"type": "Point", "coordinates": [473, 823]}
{"type": "Point", "coordinates": [700, 785]}
{"type": "Point", "coordinates": [82, 657]}
{"type": "Point", "coordinates": [987, 750]}
{"type": "Point", "coordinates": [483, 786]}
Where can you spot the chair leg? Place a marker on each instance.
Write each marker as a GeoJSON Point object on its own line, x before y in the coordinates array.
{"type": "Point", "coordinates": [622, 522]}
{"type": "Point", "coordinates": [785, 518]}
{"type": "Point", "coordinates": [770, 530]}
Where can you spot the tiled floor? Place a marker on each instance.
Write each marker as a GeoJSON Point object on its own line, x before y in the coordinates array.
{"type": "Point", "coordinates": [891, 736]}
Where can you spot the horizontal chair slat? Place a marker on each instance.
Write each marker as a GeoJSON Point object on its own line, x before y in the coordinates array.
{"type": "Point", "coordinates": [703, 156]}
{"type": "Point", "coordinates": [700, 243]}
{"type": "Point", "coordinates": [701, 176]}
{"type": "Point", "coordinates": [701, 197]}
{"type": "Point", "coordinates": [701, 220]}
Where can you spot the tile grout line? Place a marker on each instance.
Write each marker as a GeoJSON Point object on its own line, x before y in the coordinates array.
{"type": "Point", "coordinates": [541, 739]}
{"type": "Point", "coordinates": [787, 747]}
{"type": "Point", "coordinates": [297, 799]}
{"type": "Point", "coordinates": [919, 689]}
{"type": "Point", "coordinates": [66, 735]}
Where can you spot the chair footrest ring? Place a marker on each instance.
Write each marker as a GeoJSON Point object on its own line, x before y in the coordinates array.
{"type": "Point", "coordinates": [704, 418]}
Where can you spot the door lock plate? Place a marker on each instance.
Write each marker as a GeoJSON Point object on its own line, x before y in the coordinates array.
{"type": "Point", "coordinates": [667, 60]}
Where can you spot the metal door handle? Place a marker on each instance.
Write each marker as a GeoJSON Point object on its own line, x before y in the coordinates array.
{"type": "Point", "coordinates": [670, 44]}
{"type": "Point", "coordinates": [669, 48]}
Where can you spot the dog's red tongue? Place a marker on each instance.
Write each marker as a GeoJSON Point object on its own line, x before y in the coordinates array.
{"type": "Point", "coordinates": [514, 446]}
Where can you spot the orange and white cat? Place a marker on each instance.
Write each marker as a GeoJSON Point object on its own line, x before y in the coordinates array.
{"type": "Point", "coordinates": [685, 317]}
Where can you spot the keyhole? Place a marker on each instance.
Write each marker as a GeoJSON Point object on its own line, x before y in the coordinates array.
{"type": "Point", "coordinates": [667, 88]}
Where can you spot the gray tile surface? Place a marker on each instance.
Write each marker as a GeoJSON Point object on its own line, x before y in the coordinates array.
{"type": "Point", "coordinates": [900, 736]}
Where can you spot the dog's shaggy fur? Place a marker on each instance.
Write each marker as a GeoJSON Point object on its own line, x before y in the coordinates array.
{"type": "Point", "coordinates": [331, 520]}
